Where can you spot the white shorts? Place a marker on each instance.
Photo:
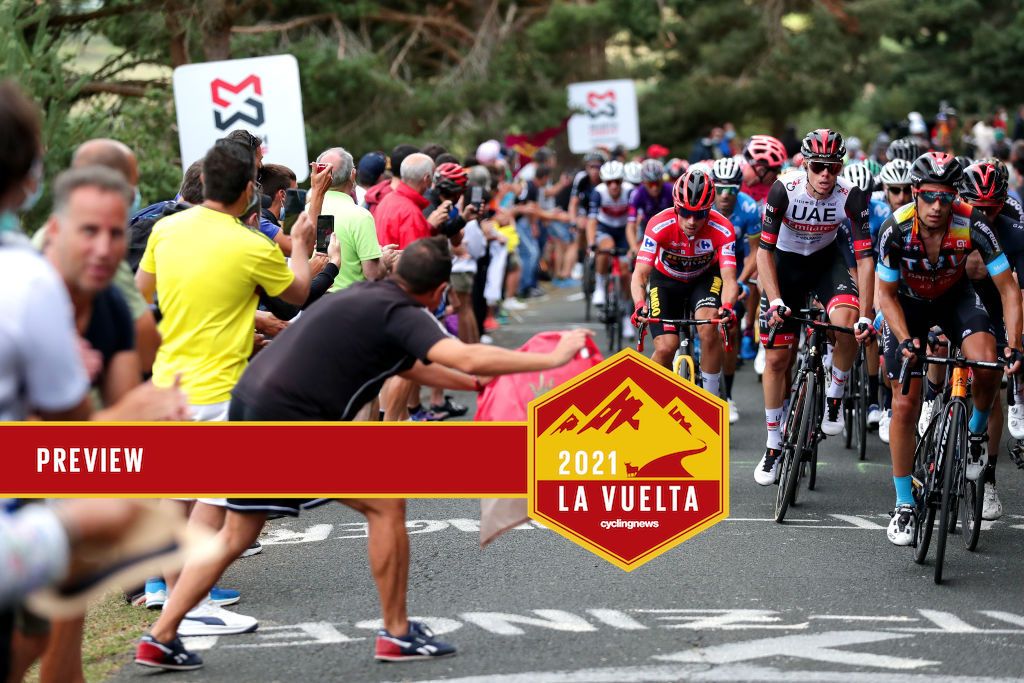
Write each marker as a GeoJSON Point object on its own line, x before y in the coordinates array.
{"type": "Point", "coordinates": [211, 412]}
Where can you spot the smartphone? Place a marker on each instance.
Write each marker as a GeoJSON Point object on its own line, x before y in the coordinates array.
{"type": "Point", "coordinates": [321, 167]}
{"type": "Point", "coordinates": [476, 197]}
{"type": "Point", "coordinates": [294, 204]}
{"type": "Point", "coordinates": [324, 229]}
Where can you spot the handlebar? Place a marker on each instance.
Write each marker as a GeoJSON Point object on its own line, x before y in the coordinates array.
{"type": "Point", "coordinates": [998, 364]}
{"type": "Point", "coordinates": [683, 322]}
{"type": "Point", "coordinates": [812, 322]}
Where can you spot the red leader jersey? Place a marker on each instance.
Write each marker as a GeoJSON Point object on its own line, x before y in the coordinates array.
{"type": "Point", "coordinates": [683, 258]}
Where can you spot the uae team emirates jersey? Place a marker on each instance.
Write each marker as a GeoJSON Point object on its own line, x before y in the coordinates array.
{"type": "Point", "coordinates": [673, 254]}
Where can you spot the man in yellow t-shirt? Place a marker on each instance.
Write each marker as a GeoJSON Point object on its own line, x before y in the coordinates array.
{"type": "Point", "coordinates": [206, 266]}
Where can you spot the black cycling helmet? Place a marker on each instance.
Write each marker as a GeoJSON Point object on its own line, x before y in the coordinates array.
{"type": "Point", "coordinates": [823, 144]}
{"type": "Point", "coordinates": [936, 168]}
{"type": "Point", "coordinates": [593, 158]}
{"type": "Point", "coordinates": [984, 185]}
{"type": "Point", "coordinates": [964, 161]}
{"type": "Point", "coordinates": [904, 148]}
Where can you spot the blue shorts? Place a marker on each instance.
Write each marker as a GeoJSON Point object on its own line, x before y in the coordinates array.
{"type": "Point", "coordinates": [561, 231]}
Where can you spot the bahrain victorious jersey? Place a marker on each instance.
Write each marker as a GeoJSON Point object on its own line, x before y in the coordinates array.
{"type": "Point", "coordinates": [683, 258]}
{"type": "Point", "coordinates": [902, 257]}
{"type": "Point", "coordinates": [796, 222]}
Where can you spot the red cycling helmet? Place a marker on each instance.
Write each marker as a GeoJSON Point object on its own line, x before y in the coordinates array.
{"type": "Point", "coordinates": [450, 178]}
{"type": "Point", "coordinates": [765, 150]}
{"type": "Point", "coordinates": [984, 185]}
{"type": "Point", "coordinates": [823, 144]}
{"type": "Point", "coordinates": [936, 168]}
{"type": "Point", "coordinates": [694, 191]}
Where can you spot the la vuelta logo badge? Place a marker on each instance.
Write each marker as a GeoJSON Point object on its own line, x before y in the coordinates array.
{"type": "Point", "coordinates": [245, 106]}
{"type": "Point", "coordinates": [628, 460]}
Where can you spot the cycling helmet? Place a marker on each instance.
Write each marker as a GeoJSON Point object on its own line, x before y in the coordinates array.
{"type": "Point", "coordinates": [652, 171]}
{"type": "Point", "coordinates": [694, 191]}
{"type": "Point", "coordinates": [593, 157]}
{"type": "Point", "coordinates": [859, 175]}
{"type": "Point", "coordinates": [873, 166]}
{"type": "Point", "coordinates": [998, 163]}
{"type": "Point", "coordinates": [450, 178]}
{"type": "Point", "coordinates": [904, 148]}
{"type": "Point", "coordinates": [983, 185]}
{"type": "Point", "coordinates": [727, 171]}
{"type": "Point", "coordinates": [612, 170]}
{"type": "Point", "coordinates": [766, 150]}
{"type": "Point", "coordinates": [633, 172]}
{"type": "Point", "coordinates": [964, 161]}
{"type": "Point", "coordinates": [823, 144]}
{"type": "Point", "coordinates": [896, 172]}
{"type": "Point", "coordinates": [938, 168]}
{"type": "Point", "coordinates": [676, 168]}
{"type": "Point", "coordinates": [797, 160]}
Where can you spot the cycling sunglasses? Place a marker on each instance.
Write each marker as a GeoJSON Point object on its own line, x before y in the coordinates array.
{"type": "Point", "coordinates": [613, 182]}
{"type": "Point", "coordinates": [727, 189]}
{"type": "Point", "coordinates": [684, 213]}
{"type": "Point", "coordinates": [944, 198]}
{"type": "Point", "coordinates": [899, 190]}
{"type": "Point", "coordinates": [820, 167]}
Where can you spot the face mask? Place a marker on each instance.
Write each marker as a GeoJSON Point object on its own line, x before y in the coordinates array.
{"type": "Point", "coordinates": [136, 203]}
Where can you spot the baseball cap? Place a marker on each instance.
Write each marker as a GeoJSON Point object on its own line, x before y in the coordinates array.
{"type": "Point", "coordinates": [370, 168]}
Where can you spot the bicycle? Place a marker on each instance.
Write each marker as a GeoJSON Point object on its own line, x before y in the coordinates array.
{"type": "Point", "coordinates": [802, 430]}
{"type": "Point", "coordinates": [940, 484]}
{"type": "Point", "coordinates": [855, 405]}
{"type": "Point", "coordinates": [614, 308]}
{"type": "Point", "coordinates": [687, 358]}
{"type": "Point", "coordinates": [588, 283]}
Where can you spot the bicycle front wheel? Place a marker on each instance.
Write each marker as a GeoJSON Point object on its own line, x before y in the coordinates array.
{"type": "Point", "coordinates": [792, 448]}
{"type": "Point", "coordinates": [971, 502]}
{"type": "Point", "coordinates": [861, 420]}
{"type": "Point", "coordinates": [953, 457]}
{"type": "Point", "coordinates": [927, 482]}
{"type": "Point", "coordinates": [588, 286]}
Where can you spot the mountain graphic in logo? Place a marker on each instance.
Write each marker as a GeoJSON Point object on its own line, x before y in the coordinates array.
{"type": "Point", "coordinates": [652, 438]}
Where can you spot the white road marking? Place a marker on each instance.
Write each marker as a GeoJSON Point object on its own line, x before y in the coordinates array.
{"type": "Point", "coordinates": [1014, 619]}
{"type": "Point", "coordinates": [858, 522]}
{"type": "Point", "coordinates": [617, 619]}
{"type": "Point", "coordinates": [947, 621]}
{"type": "Point", "coordinates": [306, 633]}
{"type": "Point", "coordinates": [505, 624]}
{"type": "Point", "coordinates": [725, 619]}
{"type": "Point", "coordinates": [439, 625]}
{"type": "Point", "coordinates": [199, 643]}
{"type": "Point", "coordinates": [859, 617]}
{"type": "Point", "coordinates": [818, 647]}
{"type": "Point", "coordinates": [313, 534]}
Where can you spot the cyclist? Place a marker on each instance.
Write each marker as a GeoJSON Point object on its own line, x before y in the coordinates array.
{"type": "Point", "coordinates": [675, 168]}
{"type": "Point", "coordinates": [648, 199]}
{"type": "Point", "coordinates": [633, 172]}
{"type": "Point", "coordinates": [579, 202]}
{"type": "Point", "coordinates": [606, 227]}
{"type": "Point", "coordinates": [922, 256]}
{"type": "Point", "coordinates": [985, 188]}
{"type": "Point", "coordinates": [746, 221]}
{"type": "Point", "coordinates": [798, 256]}
{"type": "Point", "coordinates": [895, 179]}
{"type": "Point", "coordinates": [906, 149]}
{"type": "Point", "coordinates": [764, 156]}
{"type": "Point", "coordinates": [689, 258]}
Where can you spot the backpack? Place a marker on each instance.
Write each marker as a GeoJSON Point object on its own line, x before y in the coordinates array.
{"type": "Point", "coordinates": [141, 225]}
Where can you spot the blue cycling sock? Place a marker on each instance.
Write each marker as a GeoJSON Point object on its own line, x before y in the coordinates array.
{"type": "Point", "coordinates": [979, 421]}
{"type": "Point", "coordinates": [904, 490]}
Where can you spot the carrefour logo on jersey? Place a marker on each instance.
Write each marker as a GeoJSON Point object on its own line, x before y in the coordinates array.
{"type": "Point", "coordinates": [704, 246]}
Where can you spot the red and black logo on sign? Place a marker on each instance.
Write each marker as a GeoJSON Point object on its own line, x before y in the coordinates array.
{"type": "Point", "coordinates": [248, 110]}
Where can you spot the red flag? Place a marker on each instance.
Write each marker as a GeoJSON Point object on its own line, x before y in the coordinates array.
{"type": "Point", "coordinates": [527, 144]}
{"type": "Point", "coordinates": [506, 400]}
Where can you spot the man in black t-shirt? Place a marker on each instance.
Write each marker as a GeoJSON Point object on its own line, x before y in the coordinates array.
{"type": "Point", "coordinates": [325, 367]}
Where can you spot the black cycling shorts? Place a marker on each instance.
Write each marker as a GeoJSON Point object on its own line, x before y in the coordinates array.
{"type": "Point", "coordinates": [671, 298]}
{"type": "Point", "coordinates": [993, 303]}
{"type": "Point", "coordinates": [823, 274]}
{"type": "Point", "coordinates": [959, 312]}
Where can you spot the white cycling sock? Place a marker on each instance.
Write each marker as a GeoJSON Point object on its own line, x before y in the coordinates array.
{"type": "Point", "coordinates": [600, 281]}
{"type": "Point", "coordinates": [712, 382]}
{"type": "Point", "coordinates": [773, 421]}
{"type": "Point", "coordinates": [838, 386]}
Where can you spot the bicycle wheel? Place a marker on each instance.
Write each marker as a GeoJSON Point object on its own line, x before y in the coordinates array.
{"type": "Point", "coordinates": [927, 482]}
{"type": "Point", "coordinates": [862, 412]}
{"type": "Point", "coordinates": [953, 457]}
{"type": "Point", "coordinates": [789, 467]}
{"type": "Point", "coordinates": [971, 501]}
{"type": "Point", "coordinates": [812, 435]}
{"type": "Point", "coordinates": [849, 408]}
{"type": "Point", "coordinates": [588, 284]}
{"type": "Point", "coordinates": [612, 317]}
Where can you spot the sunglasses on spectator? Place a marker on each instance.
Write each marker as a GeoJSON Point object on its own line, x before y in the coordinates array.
{"type": "Point", "coordinates": [944, 198]}
{"type": "Point", "coordinates": [899, 190]}
{"type": "Point", "coordinates": [685, 213]}
{"type": "Point", "coordinates": [727, 189]}
{"type": "Point", "coordinates": [821, 166]}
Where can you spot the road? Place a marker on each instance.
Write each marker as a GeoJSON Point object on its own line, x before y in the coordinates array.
{"type": "Point", "coordinates": [822, 597]}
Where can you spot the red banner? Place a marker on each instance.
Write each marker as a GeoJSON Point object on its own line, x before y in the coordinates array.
{"type": "Point", "coordinates": [309, 459]}
{"type": "Point", "coordinates": [527, 144]}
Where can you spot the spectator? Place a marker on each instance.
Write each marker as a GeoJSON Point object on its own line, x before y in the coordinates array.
{"type": "Point", "coordinates": [275, 179]}
{"type": "Point", "coordinates": [399, 216]}
{"type": "Point", "coordinates": [371, 168]}
{"type": "Point", "coordinates": [111, 154]}
{"type": "Point", "coordinates": [353, 225]}
{"type": "Point", "coordinates": [141, 224]}
{"type": "Point", "coordinates": [375, 195]}
{"type": "Point", "coordinates": [288, 382]}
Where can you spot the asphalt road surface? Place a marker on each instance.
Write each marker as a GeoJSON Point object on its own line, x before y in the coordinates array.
{"type": "Point", "coordinates": [822, 597]}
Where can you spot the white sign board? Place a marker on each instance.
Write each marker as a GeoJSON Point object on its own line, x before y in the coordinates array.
{"type": "Point", "coordinates": [609, 115]}
{"type": "Point", "coordinates": [261, 95]}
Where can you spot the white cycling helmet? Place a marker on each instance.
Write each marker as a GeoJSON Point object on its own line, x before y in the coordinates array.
{"type": "Point", "coordinates": [612, 170]}
{"type": "Point", "coordinates": [859, 175]}
{"type": "Point", "coordinates": [896, 172]}
{"type": "Point", "coordinates": [727, 171]}
{"type": "Point", "coordinates": [633, 172]}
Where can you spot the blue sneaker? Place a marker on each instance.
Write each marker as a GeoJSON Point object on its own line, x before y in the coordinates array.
{"type": "Point", "coordinates": [425, 415]}
{"type": "Point", "coordinates": [156, 593]}
{"type": "Point", "coordinates": [748, 349]}
{"type": "Point", "coordinates": [171, 656]}
{"type": "Point", "coordinates": [222, 597]}
{"type": "Point", "coordinates": [418, 643]}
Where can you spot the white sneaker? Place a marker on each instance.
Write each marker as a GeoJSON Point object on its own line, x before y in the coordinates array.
{"type": "Point", "coordinates": [977, 456]}
{"type": "Point", "coordinates": [768, 469]}
{"type": "Point", "coordinates": [901, 526]}
{"type": "Point", "coordinates": [834, 421]}
{"type": "Point", "coordinates": [1017, 420]}
{"type": "Point", "coordinates": [759, 361]}
{"type": "Point", "coordinates": [883, 426]}
{"type": "Point", "coordinates": [874, 415]}
{"type": "Point", "coordinates": [577, 272]}
{"type": "Point", "coordinates": [927, 408]}
{"type": "Point", "coordinates": [206, 619]}
{"type": "Point", "coordinates": [734, 412]}
{"type": "Point", "coordinates": [991, 507]}
{"type": "Point", "coordinates": [511, 304]}
{"type": "Point", "coordinates": [628, 331]}
{"type": "Point", "coordinates": [598, 298]}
